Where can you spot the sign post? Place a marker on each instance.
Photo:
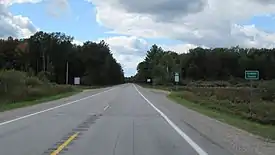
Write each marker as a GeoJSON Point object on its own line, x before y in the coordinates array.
{"type": "Point", "coordinates": [177, 79]}
{"type": "Point", "coordinates": [251, 75]}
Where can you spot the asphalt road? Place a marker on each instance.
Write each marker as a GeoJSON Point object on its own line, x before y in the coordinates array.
{"type": "Point", "coordinates": [121, 120]}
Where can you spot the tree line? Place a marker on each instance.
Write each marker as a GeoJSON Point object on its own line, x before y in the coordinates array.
{"type": "Point", "coordinates": [205, 64]}
{"type": "Point", "coordinates": [52, 53]}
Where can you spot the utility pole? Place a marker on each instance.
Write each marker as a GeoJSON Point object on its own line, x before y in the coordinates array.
{"type": "Point", "coordinates": [67, 72]}
{"type": "Point", "coordinates": [43, 58]}
{"type": "Point", "coordinates": [43, 48]}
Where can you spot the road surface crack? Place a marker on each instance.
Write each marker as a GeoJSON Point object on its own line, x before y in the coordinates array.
{"type": "Point", "coordinates": [117, 138]}
{"type": "Point", "coordinates": [133, 137]}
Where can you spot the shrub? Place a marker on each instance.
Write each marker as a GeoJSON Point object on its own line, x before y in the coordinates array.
{"type": "Point", "coordinates": [208, 84]}
{"type": "Point", "coordinates": [186, 95]}
{"type": "Point", "coordinates": [43, 76]}
{"type": "Point", "coordinates": [33, 81]}
{"type": "Point", "coordinates": [11, 80]}
{"type": "Point", "coordinates": [236, 101]}
{"type": "Point", "coordinates": [16, 86]}
{"type": "Point", "coordinates": [268, 90]}
{"type": "Point", "coordinates": [35, 93]}
{"type": "Point", "coordinates": [86, 80]}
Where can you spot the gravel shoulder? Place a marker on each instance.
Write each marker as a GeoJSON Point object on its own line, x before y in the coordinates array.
{"type": "Point", "coordinates": [159, 91]}
{"type": "Point", "coordinates": [230, 138]}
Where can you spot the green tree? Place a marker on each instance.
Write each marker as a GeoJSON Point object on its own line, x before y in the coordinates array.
{"type": "Point", "coordinates": [48, 54]}
{"type": "Point", "coordinates": [205, 64]}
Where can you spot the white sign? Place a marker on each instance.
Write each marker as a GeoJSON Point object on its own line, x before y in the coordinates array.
{"type": "Point", "coordinates": [148, 80]}
{"type": "Point", "coordinates": [77, 80]}
{"type": "Point", "coordinates": [177, 77]}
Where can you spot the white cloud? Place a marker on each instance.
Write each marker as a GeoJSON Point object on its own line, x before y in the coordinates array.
{"type": "Point", "coordinates": [15, 26]}
{"type": "Point", "coordinates": [78, 42]}
{"type": "Point", "coordinates": [179, 48]}
{"type": "Point", "coordinates": [21, 27]}
{"type": "Point", "coordinates": [254, 37]}
{"type": "Point", "coordinates": [10, 2]}
{"type": "Point", "coordinates": [128, 51]}
{"type": "Point", "coordinates": [131, 50]}
{"type": "Point", "coordinates": [128, 45]}
{"type": "Point", "coordinates": [200, 22]}
{"type": "Point", "coordinates": [57, 8]}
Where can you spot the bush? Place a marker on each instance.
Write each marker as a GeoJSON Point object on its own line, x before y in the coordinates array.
{"type": "Point", "coordinates": [11, 80]}
{"type": "Point", "coordinates": [268, 90]}
{"type": "Point", "coordinates": [236, 101]}
{"type": "Point", "coordinates": [208, 84]}
{"type": "Point", "coordinates": [33, 81]}
{"type": "Point", "coordinates": [86, 80]}
{"type": "Point", "coordinates": [16, 86]}
{"type": "Point", "coordinates": [35, 93]}
{"type": "Point", "coordinates": [43, 76]}
{"type": "Point", "coordinates": [61, 88]}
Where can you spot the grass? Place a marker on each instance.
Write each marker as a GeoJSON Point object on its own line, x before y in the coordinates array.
{"type": "Point", "coordinates": [10, 106]}
{"type": "Point", "coordinates": [88, 87]}
{"type": "Point", "coordinates": [265, 131]}
{"type": "Point", "coordinates": [166, 88]}
{"type": "Point", "coordinates": [16, 105]}
{"type": "Point", "coordinates": [19, 89]}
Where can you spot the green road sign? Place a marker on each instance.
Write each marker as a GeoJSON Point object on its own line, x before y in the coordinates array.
{"type": "Point", "coordinates": [251, 75]}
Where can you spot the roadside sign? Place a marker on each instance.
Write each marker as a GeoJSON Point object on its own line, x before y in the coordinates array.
{"type": "Point", "coordinates": [77, 80]}
{"type": "Point", "coordinates": [251, 75]}
{"type": "Point", "coordinates": [177, 77]}
{"type": "Point", "coordinates": [148, 80]}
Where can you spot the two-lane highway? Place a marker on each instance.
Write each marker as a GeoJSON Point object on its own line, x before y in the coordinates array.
{"type": "Point", "coordinates": [113, 121]}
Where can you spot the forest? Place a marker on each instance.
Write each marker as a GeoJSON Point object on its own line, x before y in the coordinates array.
{"type": "Point", "coordinates": [45, 64]}
{"type": "Point", "coordinates": [49, 54]}
{"type": "Point", "coordinates": [205, 64]}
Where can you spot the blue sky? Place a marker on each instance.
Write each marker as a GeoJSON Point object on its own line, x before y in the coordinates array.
{"type": "Point", "coordinates": [135, 26]}
{"type": "Point", "coordinates": [266, 23]}
{"type": "Point", "coordinates": [79, 21]}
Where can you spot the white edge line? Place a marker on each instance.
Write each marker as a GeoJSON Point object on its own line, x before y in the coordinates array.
{"type": "Point", "coordinates": [39, 112]}
{"type": "Point", "coordinates": [195, 146]}
{"type": "Point", "coordinates": [106, 107]}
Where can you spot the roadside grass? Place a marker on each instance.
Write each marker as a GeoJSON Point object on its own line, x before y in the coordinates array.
{"type": "Point", "coordinates": [265, 131]}
{"type": "Point", "coordinates": [16, 105]}
{"type": "Point", "coordinates": [21, 104]}
{"type": "Point", "coordinates": [166, 88]}
{"type": "Point", "coordinates": [20, 89]}
{"type": "Point", "coordinates": [88, 87]}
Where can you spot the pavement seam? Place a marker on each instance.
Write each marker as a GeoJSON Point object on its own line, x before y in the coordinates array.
{"type": "Point", "coordinates": [117, 138]}
{"type": "Point", "coordinates": [133, 137]}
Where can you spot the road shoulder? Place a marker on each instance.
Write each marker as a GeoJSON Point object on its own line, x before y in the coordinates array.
{"type": "Point", "coordinates": [21, 112]}
{"type": "Point", "coordinates": [236, 141]}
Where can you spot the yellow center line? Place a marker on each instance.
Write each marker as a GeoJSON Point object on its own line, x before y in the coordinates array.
{"type": "Point", "coordinates": [66, 143]}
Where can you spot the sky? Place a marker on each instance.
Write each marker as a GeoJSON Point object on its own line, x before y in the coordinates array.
{"type": "Point", "coordinates": [131, 27]}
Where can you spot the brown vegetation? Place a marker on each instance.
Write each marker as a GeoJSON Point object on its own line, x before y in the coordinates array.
{"type": "Point", "coordinates": [256, 104]}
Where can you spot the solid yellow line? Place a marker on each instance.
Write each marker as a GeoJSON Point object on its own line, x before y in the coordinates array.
{"type": "Point", "coordinates": [66, 143]}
